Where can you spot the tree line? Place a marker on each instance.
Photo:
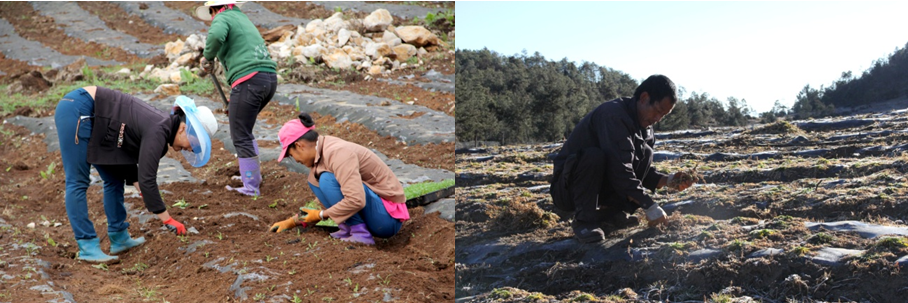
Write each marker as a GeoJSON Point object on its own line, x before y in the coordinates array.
{"type": "Point", "coordinates": [527, 98]}
{"type": "Point", "coordinates": [885, 80]}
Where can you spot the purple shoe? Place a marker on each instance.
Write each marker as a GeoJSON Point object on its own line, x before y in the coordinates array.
{"type": "Point", "coordinates": [360, 234]}
{"type": "Point", "coordinates": [343, 233]}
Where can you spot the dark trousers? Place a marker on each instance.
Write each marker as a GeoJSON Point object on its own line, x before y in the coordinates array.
{"type": "Point", "coordinates": [583, 181]}
{"type": "Point", "coordinates": [247, 100]}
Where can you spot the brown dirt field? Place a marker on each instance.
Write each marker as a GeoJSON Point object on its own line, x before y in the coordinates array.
{"type": "Point", "coordinates": [117, 19]}
{"type": "Point", "coordinates": [13, 67]}
{"type": "Point", "coordinates": [30, 25]}
{"type": "Point", "coordinates": [416, 265]}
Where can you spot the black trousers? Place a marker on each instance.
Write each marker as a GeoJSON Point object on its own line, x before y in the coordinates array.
{"type": "Point", "coordinates": [247, 100]}
{"type": "Point", "coordinates": [582, 182]}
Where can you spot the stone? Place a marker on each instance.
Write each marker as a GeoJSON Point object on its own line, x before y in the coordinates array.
{"type": "Point", "coordinates": [184, 60]}
{"type": "Point", "coordinates": [124, 71]}
{"type": "Point", "coordinates": [175, 77]}
{"type": "Point", "coordinates": [278, 33]}
{"type": "Point", "coordinates": [404, 51]}
{"type": "Point", "coordinates": [376, 69]}
{"type": "Point", "coordinates": [45, 223]}
{"type": "Point", "coordinates": [378, 50]}
{"type": "Point", "coordinates": [148, 68]}
{"type": "Point", "coordinates": [313, 51]}
{"type": "Point", "coordinates": [417, 35]}
{"type": "Point", "coordinates": [391, 39]}
{"type": "Point", "coordinates": [168, 89]}
{"type": "Point", "coordinates": [343, 36]}
{"type": "Point", "coordinates": [338, 59]}
{"type": "Point", "coordinates": [356, 54]}
{"type": "Point", "coordinates": [378, 20]}
{"type": "Point", "coordinates": [173, 49]}
{"type": "Point", "coordinates": [195, 43]}
{"type": "Point", "coordinates": [316, 28]}
{"type": "Point", "coordinates": [31, 225]}
{"type": "Point", "coordinates": [302, 39]}
{"type": "Point", "coordinates": [335, 23]}
{"type": "Point", "coordinates": [421, 51]}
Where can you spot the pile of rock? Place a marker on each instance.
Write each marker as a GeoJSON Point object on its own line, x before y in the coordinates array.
{"type": "Point", "coordinates": [371, 45]}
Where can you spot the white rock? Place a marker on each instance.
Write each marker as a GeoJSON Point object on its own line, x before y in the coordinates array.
{"type": "Point", "coordinates": [335, 23]}
{"type": "Point", "coordinates": [366, 64]}
{"type": "Point", "coordinates": [378, 20]}
{"type": "Point", "coordinates": [404, 51]}
{"type": "Point", "coordinates": [168, 89]}
{"type": "Point", "coordinates": [417, 35]}
{"type": "Point", "coordinates": [315, 24]}
{"type": "Point", "coordinates": [45, 223]}
{"type": "Point", "coordinates": [173, 49]}
{"type": "Point", "coordinates": [422, 51]}
{"type": "Point", "coordinates": [338, 59]}
{"type": "Point", "coordinates": [175, 77]}
{"type": "Point", "coordinates": [124, 71]}
{"type": "Point", "coordinates": [313, 51]}
{"type": "Point", "coordinates": [391, 39]}
{"type": "Point", "coordinates": [184, 59]}
{"type": "Point", "coordinates": [31, 225]}
{"type": "Point", "coordinates": [148, 68]}
{"type": "Point", "coordinates": [377, 50]}
{"type": "Point", "coordinates": [376, 69]}
{"type": "Point", "coordinates": [58, 224]}
{"type": "Point", "coordinates": [343, 36]}
{"type": "Point", "coordinates": [195, 42]}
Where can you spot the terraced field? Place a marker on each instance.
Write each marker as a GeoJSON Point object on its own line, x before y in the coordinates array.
{"type": "Point", "coordinates": [804, 211]}
{"type": "Point", "coordinates": [405, 116]}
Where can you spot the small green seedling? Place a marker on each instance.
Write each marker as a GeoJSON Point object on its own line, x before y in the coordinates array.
{"type": "Point", "coordinates": [50, 170]}
{"type": "Point", "coordinates": [101, 266]}
{"type": "Point", "coordinates": [182, 204]}
{"type": "Point", "coordinates": [273, 205]}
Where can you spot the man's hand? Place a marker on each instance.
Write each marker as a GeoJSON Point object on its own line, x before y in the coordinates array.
{"type": "Point", "coordinates": [206, 65]}
{"type": "Point", "coordinates": [312, 216]}
{"type": "Point", "coordinates": [136, 184]}
{"type": "Point", "coordinates": [284, 225]}
{"type": "Point", "coordinates": [680, 181]}
{"type": "Point", "coordinates": [175, 226]}
{"type": "Point", "coordinates": [655, 215]}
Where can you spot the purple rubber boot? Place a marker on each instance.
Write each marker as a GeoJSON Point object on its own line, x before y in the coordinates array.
{"type": "Point", "coordinates": [343, 233]}
{"type": "Point", "coordinates": [360, 234]}
{"type": "Point", "coordinates": [251, 175]}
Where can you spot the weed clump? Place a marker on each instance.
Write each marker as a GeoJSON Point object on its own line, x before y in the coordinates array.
{"type": "Point", "coordinates": [515, 214]}
{"type": "Point", "coordinates": [821, 238]}
{"type": "Point", "coordinates": [779, 127]}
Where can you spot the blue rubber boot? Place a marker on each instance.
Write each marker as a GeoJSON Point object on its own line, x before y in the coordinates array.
{"type": "Point", "coordinates": [121, 241]}
{"type": "Point", "coordinates": [90, 250]}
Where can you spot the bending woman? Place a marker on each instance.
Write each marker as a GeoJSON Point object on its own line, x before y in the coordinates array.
{"type": "Point", "coordinates": [124, 138]}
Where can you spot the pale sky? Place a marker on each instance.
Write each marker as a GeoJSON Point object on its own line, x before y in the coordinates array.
{"type": "Point", "coordinates": [758, 51]}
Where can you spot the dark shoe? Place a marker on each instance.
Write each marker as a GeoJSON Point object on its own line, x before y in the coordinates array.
{"type": "Point", "coordinates": [587, 232]}
{"type": "Point", "coordinates": [620, 220]}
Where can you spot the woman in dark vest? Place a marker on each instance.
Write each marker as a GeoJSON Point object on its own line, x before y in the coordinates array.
{"type": "Point", "coordinates": [124, 138]}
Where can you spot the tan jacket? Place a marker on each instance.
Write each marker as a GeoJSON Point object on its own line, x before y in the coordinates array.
{"type": "Point", "coordinates": [353, 165]}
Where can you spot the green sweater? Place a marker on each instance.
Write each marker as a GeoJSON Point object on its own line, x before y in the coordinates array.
{"type": "Point", "coordinates": [238, 44]}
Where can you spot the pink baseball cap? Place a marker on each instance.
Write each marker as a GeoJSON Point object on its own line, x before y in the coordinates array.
{"type": "Point", "coordinates": [289, 133]}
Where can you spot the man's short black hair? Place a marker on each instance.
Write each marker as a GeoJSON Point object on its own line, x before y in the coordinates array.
{"type": "Point", "coordinates": [658, 87]}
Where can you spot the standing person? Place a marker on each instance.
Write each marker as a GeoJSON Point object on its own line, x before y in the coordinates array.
{"type": "Point", "coordinates": [606, 163]}
{"type": "Point", "coordinates": [124, 138]}
{"type": "Point", "coordinates": [361, 193]}
{"type": "Point", "coordinates": [236, 42]}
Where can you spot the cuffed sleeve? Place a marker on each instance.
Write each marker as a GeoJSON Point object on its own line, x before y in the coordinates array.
{"type": "Point", "coordinates": [653, 176]}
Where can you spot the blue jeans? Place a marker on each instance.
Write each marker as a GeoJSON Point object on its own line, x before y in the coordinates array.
{"type": "Point", "coordinates": [74, 105]}
{"type": "Point", "coordinates": [376, 217]}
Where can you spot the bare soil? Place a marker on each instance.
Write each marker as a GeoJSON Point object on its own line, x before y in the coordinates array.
{"type": "Point", "coordinates": [117, 19]}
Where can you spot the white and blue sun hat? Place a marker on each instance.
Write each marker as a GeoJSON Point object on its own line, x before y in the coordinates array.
{"type": "Point", "coordinates": [200, 126]}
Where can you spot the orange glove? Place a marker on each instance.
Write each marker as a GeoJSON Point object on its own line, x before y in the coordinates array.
{"type": "Point", "coordinates": [283, 225]}
{"type": "Point", "coordinates": [311, 216]}
{"type": "Point", "coordinates": [175, 226]}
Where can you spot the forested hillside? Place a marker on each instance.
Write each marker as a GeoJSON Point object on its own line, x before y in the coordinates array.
{"type": "Point", "coordinates": [523, 98]}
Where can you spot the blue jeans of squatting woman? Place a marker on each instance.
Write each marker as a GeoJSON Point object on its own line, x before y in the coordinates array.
{"type": "Point", "coordinates": [376, 217]}
{"type": "Point", "coordinates": [74, 105]}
